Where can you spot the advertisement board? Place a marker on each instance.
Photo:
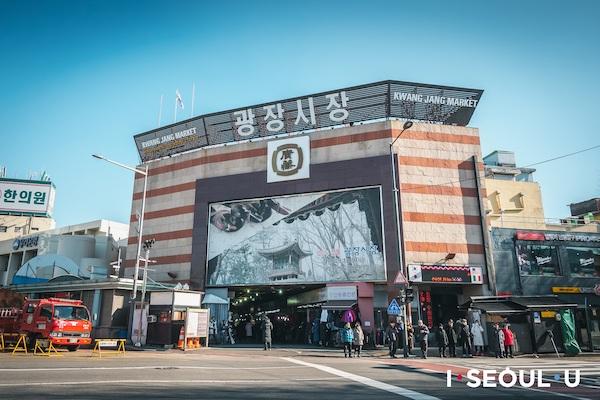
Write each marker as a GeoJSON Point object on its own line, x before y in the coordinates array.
{"type": "Point", "coordinates": [332, 236]}
{"type": "Point", "coordinates": [466, 274]}
{"type": "Point", "coordinates": [26, 197]}
{"type": "Point", "coordinates": [386, 99]}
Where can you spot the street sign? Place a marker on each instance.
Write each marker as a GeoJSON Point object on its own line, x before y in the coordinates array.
{"type": "Point", "coordinates": [393, 308]}
{"type": "Point", "coordinates": [400, 279]}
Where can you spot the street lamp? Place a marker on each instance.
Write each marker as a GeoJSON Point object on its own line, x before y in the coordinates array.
{"type": "Point", "coordinates": [407, 125]}
{"type": "Point", "coordinates": [143, 172]}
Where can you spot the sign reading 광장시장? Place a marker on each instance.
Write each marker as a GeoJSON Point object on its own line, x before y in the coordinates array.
{"type": "Point", "coordinates": [387, 99]}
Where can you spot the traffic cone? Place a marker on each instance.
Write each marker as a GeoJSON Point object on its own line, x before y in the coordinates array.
{"type": "Point", "coordinates": [181, 338]}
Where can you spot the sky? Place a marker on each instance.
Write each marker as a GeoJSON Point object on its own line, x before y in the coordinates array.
{"type": "Point", "coordinates": [83, 77]}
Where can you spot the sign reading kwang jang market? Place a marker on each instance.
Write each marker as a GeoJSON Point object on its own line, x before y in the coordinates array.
{"type": "Point", "coordinates": [386, 99]}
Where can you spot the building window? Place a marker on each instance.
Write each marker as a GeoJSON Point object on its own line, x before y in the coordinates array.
{"type": "Point", "coordinates": [537, 259]}
{"type": "Point", "coordinates": [584, 261]}
{"type": "Point", "coordinates": [3, 228]}
{"type": "Point", "coordinates": [17, 229]}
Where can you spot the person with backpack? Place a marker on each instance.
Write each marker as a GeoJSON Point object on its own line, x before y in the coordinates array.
{"type": "Point", "coordinates": [347, 336]}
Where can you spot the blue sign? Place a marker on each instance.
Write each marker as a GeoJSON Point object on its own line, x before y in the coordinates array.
{"type": "Point", "coordinates": [393, 308]}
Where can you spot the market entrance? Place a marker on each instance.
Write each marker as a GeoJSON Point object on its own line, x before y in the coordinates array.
{"type": "Point", "coordinates": [292, 324]}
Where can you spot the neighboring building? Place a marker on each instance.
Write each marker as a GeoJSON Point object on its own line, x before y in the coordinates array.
{"type": "Point", "coordinates": [73, 262]}
{"type": "Point", "coordinates": [25, 207]}
{"type": "Point", "coordinates": [545, 262]}
{"type": "Point", "coordinates": [586, 211]}
{"type": "Point", "coordinates": [514, 199]}
{"type": "Point", "coordinates": [304, 222]}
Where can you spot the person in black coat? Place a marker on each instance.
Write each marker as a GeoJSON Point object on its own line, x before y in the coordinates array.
{"type": "Point", "coordinates": [452, 338]}
{"type": "Point", "coordinates": [465, 338]}
{"type": "Point", "coordinates": [442, 339]}
{"type": "Point", "coordinates": [392, 335]}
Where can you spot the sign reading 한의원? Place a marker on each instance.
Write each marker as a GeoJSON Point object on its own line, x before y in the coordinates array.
{"type": "Point", "coordinates": [26, 197]}
{"type": "Point", "coordinates": [288, 159]}
{"type": "Point", "coordinates": [386, 99]}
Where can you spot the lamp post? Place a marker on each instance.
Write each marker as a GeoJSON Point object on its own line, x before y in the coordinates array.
{"type": "Point", "coordinates": [407, 125]}
{"type": "Point", "coordinates": [143, 172]}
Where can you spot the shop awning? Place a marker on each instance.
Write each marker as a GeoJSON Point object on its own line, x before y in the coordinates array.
{"type": "Point", "coordinates": [542, 302]}
{"type": "Point", "coordinates": [500, 307]}
{"type": "Point", "coordinates": [338, 304]}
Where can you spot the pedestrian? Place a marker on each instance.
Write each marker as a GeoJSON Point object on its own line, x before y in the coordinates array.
{"type": "Point", "coordinates": [267, 330]}
{"type": "Point", "coordinates": [442, 339]}
{"type": "Point", "coordinates": [465, 338]}
{"type": "Point", "coordinates": [422, 333]}
{"type": "Point", "coordinates": [347, 336]}
{"type": "Point", "coordinates": [477, 332]}
{"type": "Point", "coordinates": [212, 330]}
{"type": "Point", "coordinates": [452, 338]}
{"type": "Point", "coordinates": [359, 339]}
{"type": "Point", "coordinates": [392, 335]}
{"type": "Point", "coordinates": [410, 332]}
{"type": "Point", "coordinates": [498, 341]}
{"type": "Point", "coordinates": [509, 341]}
{"type": "Point", "coordinates": [248, 327]}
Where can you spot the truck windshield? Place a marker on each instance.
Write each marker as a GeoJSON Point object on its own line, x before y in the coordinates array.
{"type": "Point", "coordinates": [70, 312]}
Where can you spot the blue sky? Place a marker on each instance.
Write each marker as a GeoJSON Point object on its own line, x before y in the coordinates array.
{"type": "Point", "coordinates": [80, 77]}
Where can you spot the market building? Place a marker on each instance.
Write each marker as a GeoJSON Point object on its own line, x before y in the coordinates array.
{"type": "Point", "coordinates": [288, 208]}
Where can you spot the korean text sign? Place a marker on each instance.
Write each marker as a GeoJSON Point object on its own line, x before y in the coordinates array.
{"type": "Point", "coordinates": [18, 196]}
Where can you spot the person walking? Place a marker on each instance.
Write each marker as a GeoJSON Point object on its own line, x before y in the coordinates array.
{"type": "Point", "coordinates": [477, 332]}
{"type": "Point", "coordinates": [267, 330]}
{"type": "Point", "coordinates": [422, 334]}
{"type": "Point", "coordinates": [498, 341]}
{"type": "Point", "coordinates": [347, 336]}
{"type": "Point", "coordinates": [212, 331]}
{"type": "Point", "coordinates": [465, 338]}
{"type": "Point", "coordinates": [442, 339]}
{"type": "Point", "coordinates": [410, 332]}
{"type": "Point", "coordinates": [452, 338]}
{"type": "Point", "coordinates": [509, 341]}
{"type": "Point", "coordinates": [359, 339]}
{"type": "Point", "coordinates": [392, 336]}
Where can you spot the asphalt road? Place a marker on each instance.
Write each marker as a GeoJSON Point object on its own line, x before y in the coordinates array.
{"type": "Point", "coordinates": [279, 374]}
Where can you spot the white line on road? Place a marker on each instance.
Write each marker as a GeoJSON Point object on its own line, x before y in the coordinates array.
{"type": "Point", "coordinates": [165, 367]}
{"type": "Point", "coordinates": [366, 381]}
{"type": "Point", "coordinates": [163, 381]}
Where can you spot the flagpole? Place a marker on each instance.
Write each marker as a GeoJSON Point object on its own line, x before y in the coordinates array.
{"type": "Point", "coordinates": [160, 110]}
{"type": "Point", "coordinates": [193, 97]}
{"type": "Point", "coordinates": [175, 111]}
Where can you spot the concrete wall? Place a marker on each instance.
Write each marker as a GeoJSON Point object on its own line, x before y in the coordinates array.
{"type": "Point", "coordinates": [24, 225]}
{"type": "Point", "coordinates": [513, 204]}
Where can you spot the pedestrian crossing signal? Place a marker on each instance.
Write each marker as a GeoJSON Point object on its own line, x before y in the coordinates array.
{"type": "Point", "coordinates": [393, 308]}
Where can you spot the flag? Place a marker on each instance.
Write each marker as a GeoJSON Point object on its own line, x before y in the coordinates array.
{"type": "Point", "coordinates": [179, 99]}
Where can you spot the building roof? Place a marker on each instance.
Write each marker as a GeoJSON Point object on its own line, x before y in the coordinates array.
{"type": "Point", "coordinates": [286, 248]}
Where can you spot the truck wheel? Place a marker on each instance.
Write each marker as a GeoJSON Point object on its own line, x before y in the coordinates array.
{"type": "Point", "coordinates": [72, 348]}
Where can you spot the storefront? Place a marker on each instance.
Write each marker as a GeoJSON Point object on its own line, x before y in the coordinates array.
{"type": "Point", "coordinates": [552, 262]}
{"type": "Point", "coordinates": [289, 209]}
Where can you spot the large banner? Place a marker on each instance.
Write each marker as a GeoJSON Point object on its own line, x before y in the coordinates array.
{"type": "Point", "coordinates": [19, 197]}
{"type": "Point", "coordinates": [331, 236]}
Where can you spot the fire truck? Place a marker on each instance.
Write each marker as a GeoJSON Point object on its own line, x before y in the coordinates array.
{"type": "Point", "coordinates": [66, 323]}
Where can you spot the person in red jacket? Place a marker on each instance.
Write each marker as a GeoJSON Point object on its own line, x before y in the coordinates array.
{"type": "Point", "coordinates": [509, 341]}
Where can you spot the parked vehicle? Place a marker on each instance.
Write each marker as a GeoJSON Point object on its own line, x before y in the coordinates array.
{"type": "Point", "coordinates": [66, 323]}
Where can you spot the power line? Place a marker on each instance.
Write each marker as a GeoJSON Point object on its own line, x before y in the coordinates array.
{"type": "Point", "coordinates": [526, 166]}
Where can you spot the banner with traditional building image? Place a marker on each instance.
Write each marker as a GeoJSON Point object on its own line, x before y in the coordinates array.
{"type": "Point", "coordinates": [333, 236]}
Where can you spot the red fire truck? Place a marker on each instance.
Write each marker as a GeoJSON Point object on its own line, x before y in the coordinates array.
{"type": "Point", "coordinates": [66, 323]}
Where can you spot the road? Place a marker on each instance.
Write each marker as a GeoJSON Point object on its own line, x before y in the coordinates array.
{"type": "Point", "coordinates": [279, 374]}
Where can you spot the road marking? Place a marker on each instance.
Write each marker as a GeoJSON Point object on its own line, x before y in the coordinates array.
{"type": "Point", "coordinates": [162, 381]}
{"type": "Point", "coordinates": [366, 381]}
{"type": "Point", "coordinates": [141, 367]}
